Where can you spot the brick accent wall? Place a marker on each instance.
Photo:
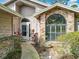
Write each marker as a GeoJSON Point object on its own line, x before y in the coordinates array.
{"type": "Point", "coordinates": [70, 22]}
{"type": "Point", "coordinates": [42, 29]}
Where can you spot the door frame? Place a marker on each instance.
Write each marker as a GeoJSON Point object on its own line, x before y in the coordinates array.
{"type": "Point", "coordinates": [27, 30]}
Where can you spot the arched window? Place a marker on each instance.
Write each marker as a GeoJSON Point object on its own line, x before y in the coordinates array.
{"type": "Point", "coordinates": [55, 26]}
{"type": "Point", "coordinates": [25, 20]}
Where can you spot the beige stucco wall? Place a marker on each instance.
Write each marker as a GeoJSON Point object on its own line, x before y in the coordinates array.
{"type": "Point", "coordinates": [68, 15]}
{"type": "Point", "coordinates": [27, 11]}
{"type": "Point", "coordinates": [12, 6]}
{"type": "Point", "coordinates": [5, 24]}
{"type": "Point", "coordinates": [28, 8]}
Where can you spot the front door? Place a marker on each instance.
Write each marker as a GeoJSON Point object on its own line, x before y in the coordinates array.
{"type": "Point", "coordinates": [25, 30]}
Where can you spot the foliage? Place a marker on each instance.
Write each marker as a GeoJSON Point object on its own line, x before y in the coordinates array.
{"type": "Point", "coordinates": [13, 38]}
{"type": "Point", "coordinates": [55, 1]}
{"type": "Point", "coordinates": [67, 57]}
{"type": "Point", "coordinates": [29, 51]}
{"type": "Point", "coordinates": [16, 53]}
{"type": "Point", "coordinates": [74, 6]}
{"type": "Point", "coordinates": [71, 39]}
{"type": "Point", "coordinates": [62, 1]}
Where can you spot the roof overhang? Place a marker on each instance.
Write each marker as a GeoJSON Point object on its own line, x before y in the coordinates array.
{"type": "Point", "coordinates": [28, 1]}
{"type": "Point", "coordinates": [8, 10]}
{"type": "Point", "coordinates": [56, 5]}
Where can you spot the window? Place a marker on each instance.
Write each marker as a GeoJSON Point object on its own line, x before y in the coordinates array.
{"type": "Point", "coordinates": [77, 25]}
{"type": "Point", "coordinates": [55, 26]}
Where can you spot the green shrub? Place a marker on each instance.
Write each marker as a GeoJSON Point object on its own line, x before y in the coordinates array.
{"type": "Point", "coordinates": [71, 39]}
{"type": "Point", "coordinates": [67, 57]}
{"type": "Point", "coordinates": [16, 53]}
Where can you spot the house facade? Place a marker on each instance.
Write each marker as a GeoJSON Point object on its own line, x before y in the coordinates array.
{"type": "Point", "coordinates": [29, 22]}
{"type": "Point", "coordinates": [7, 18]}
{"type": "Point", "coordinates": [48, 21]}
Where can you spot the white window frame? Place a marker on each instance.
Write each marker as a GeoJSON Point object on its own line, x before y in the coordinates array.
{"type": "Point", "coordinates": [55, 32]}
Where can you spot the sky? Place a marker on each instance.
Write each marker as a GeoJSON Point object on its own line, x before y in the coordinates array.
{"type": "Point", "coordinates": [3, 1]}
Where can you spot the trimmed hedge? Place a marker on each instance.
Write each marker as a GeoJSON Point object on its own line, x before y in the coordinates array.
{"type": "Point", "coordinates": [71, 39]}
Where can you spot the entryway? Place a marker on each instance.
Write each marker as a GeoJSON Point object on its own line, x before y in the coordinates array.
{"type": "Point", "coordinates": [25, 28]}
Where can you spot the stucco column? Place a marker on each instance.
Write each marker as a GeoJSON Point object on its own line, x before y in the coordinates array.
{"type": "Point", "coordinates": [70, 22]}
{"type": "Point", "coordinates": [42, 29]}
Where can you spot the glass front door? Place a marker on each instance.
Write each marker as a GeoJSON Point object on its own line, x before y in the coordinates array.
{"type": "Point", "coordinates": [25, 30]}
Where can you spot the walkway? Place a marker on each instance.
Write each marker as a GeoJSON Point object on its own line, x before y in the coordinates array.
{"type": "Point", "coordinates": [29, 52]}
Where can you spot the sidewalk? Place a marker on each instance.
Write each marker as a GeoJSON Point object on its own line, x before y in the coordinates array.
{"type": "Point", "coordinates": [29, 52]}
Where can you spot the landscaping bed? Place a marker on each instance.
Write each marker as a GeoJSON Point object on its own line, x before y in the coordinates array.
{"type": "Point", "coordinates": [5, 48]}
{"type": "Point", "coordinates": [10, 47]}
{"type": "Point", "coordinates": [15, 54]}
{"type": "Point", "coordinates": [71, 39]}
